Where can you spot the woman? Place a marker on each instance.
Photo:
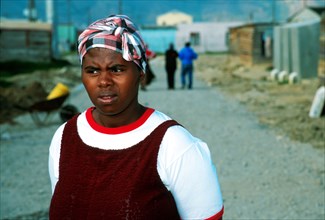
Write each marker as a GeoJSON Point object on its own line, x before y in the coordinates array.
{"type": "Point", "coordinates": [120, 159]}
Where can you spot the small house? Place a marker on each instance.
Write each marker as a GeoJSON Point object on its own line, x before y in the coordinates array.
{"type": "Point", "coordinates": [252, 42]}
{"type": "Point", "coordinates": [25, 41]}
{"type": "Point", "coordinates": [173, 18]}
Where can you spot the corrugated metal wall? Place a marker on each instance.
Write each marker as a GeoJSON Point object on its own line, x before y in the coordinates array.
{"type": "Point", "coordinates": [26, 45]}
{"type": "Point", "coordinates": [297, 48]}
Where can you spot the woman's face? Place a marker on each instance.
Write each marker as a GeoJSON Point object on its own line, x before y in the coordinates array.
{"type": "Point", "coordinates": [111, 82]}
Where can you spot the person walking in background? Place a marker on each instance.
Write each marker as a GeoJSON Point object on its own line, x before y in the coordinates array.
{"type": "Point", "coordinates": [120, 159]}
{"type": "Point", "coordinates": [187, 55]}
{"type": "Point", "coordinates": [171, 65]}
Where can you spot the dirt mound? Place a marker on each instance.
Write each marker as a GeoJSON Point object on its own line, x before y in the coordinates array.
{"type": "Point", "coordinates": [16, 100]}
{"type": "Point", "coordinates": [30, 88]}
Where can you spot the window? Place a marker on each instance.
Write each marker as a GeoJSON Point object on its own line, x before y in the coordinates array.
{"type": "Point", "coordinates": [195, 39]}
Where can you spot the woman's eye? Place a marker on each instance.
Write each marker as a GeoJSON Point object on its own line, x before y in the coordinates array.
{"type": "Point", "coordinates": [92, 71]}
{"type": "Point", "coordinates": [116, 69]}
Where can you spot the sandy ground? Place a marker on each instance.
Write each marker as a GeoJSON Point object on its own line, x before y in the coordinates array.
{"type": "Point", "coordinates": [280, 105]}
{"type": "Point", "coordinates": [269, 153]}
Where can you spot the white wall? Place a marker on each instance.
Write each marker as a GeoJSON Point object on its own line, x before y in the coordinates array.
{"type": "Point", "coordinates": [212, 35]}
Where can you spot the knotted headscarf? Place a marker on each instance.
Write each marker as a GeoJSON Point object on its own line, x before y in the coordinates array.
{"type": "Point", "coordinates": [118, 33]}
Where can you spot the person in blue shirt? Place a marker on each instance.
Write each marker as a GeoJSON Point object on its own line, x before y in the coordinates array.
{"type": "Point", "coordinates": [187, 55]}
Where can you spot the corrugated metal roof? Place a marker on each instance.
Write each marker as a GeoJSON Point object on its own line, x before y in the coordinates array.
{"type": "Point", "coordinates": [261, 24]}
{"type": "Point", "coordinates": [304, 15]}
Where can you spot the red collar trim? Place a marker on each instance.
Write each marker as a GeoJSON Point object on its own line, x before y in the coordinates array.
{"type": "Point", "coordinates": [118, 130]}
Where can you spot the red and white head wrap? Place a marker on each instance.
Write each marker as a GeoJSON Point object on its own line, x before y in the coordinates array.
{"type": "Point", "coordinates": [118, 33]}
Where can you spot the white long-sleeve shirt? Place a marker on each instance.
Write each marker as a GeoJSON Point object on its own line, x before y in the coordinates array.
{"type": "Point", "coordinates": [184, 162]}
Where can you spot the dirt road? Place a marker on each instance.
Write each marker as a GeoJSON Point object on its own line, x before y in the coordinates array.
{"type": "Point", "coordinates": [263, 175]}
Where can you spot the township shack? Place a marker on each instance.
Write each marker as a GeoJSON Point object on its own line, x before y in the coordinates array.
{"type": "Point", "coordinates": [252, 43]}
{"type": "Point", "coordinates": [25, 41]}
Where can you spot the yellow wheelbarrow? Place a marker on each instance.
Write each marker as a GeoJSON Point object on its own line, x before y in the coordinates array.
{"type": "Point", "coordinates": [42, 110]}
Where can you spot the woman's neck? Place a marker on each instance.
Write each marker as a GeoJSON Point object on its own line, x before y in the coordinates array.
{"type": "Point", "coordinates": [120, 119]}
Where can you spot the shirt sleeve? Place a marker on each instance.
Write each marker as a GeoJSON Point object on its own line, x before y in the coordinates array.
{"type": "Point", "coordinates": [181, 55]}
{"type": "Point", "coordinates": [54, 156]}
{"type": "Point", "coordinates": [190, 175]}
{"type": "Point", "coordinates": [194, 55]}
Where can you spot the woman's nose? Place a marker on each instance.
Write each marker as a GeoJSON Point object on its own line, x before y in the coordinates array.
{"type": "Point", "coordinates": [105, 79]}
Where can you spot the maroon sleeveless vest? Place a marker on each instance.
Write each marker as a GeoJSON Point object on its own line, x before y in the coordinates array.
{"type": "Point", "coordinates": [111, 184]}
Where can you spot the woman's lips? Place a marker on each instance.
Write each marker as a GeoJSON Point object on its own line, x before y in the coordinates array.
{"type": "Point", "coordinates": [107, 98]}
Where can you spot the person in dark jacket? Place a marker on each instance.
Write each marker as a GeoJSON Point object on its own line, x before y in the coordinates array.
{"type": "Point", "coordinates": [187, 55]}
{"type": "Point", "coordinates": [171, 65]}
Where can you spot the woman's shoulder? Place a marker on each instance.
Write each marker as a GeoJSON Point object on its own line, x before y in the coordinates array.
{"type": "Point", "coordinates": [159, 116]}
{"type": "Point", "coordinates": [177, 137]}
{"type": "Point", "coordinates": [177, 131]}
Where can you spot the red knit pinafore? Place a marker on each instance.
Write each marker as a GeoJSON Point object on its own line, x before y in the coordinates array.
{"type": "Point", "coordinates": [111, 184]}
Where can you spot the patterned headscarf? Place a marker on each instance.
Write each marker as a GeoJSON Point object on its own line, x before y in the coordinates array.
{"type": "Point", "coordinates": [118, 33]}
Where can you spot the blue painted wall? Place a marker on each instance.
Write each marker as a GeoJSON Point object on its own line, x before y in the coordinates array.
{"type": "Point", "coordinates": [158, 39]}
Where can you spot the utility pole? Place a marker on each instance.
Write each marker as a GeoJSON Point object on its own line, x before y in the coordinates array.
{"type": "Point", "coordinates": [273, 11]}
{"type": "Point", "coordinates": [49, 11]}
{"type": "Point", "coordinates": [89, 16]}
{"type": "Point", "coordinates": [120, 11]}
{"type": "Point", "coordinates": [69, 21]}
{"type": "Point", "coordinates": [52, 19]}
{"type": "Point", "coordinates": [31, 11]}
{"type": "Point", "coordinates": [251, 17]}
